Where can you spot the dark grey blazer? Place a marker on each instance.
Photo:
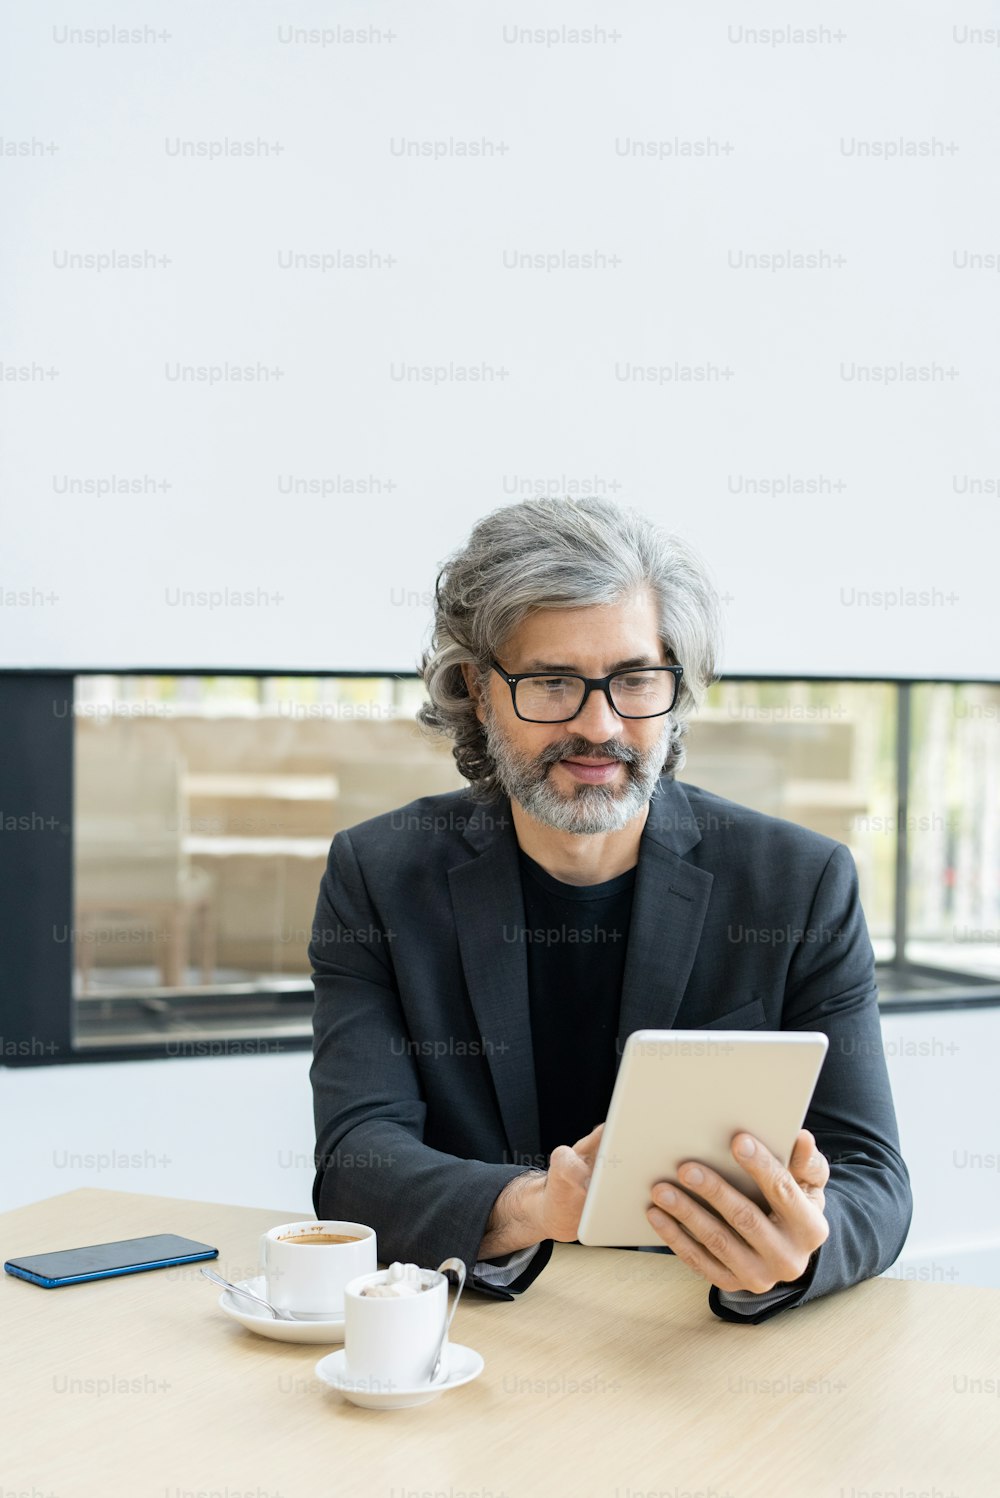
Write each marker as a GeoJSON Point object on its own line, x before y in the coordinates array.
{"type": "Point", "coordinates": [422, 1075]}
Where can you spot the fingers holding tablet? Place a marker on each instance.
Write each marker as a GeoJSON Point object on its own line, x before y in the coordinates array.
{"type": "Point", "coordinates": [587, 1146]}
{"type": "Point", "coordinates": [809, 1167]}
{"type": "Point", "coordinates": [566, 1184]}
{"type": "Point", "coordinates": [703, 1243]}
{"type": "Point", "coordinates": [795, 1194]}
{"type": "Point", "coordinates": [763, 1249]}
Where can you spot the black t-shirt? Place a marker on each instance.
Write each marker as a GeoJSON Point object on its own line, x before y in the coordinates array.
{"type": "Point", "coordinates": [576, 937]}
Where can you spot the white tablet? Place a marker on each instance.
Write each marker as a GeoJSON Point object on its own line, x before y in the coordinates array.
{"type": "Point", "coordinates": [682, 1095]}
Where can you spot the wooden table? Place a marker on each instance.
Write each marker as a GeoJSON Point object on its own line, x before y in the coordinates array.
{"type": "Point", "coordinates": [610, 1376]}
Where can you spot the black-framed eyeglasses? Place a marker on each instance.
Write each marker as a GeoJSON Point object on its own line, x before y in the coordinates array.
{"type": "Point", "coordinates": [556, 697]}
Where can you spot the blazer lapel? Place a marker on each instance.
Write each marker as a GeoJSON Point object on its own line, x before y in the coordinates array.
{"type": "Point", "coordinates": [489, 919]}
{"type": "Point", "coordinates": [669, 901]}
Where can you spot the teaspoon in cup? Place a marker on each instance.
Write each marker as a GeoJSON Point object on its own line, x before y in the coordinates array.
{"type": "Point", "coordinates": [456, 1267]}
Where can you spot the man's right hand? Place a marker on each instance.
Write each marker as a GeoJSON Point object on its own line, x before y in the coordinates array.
{"type": "Point", "coordinates": [565, 1187]}
{"type": "Point", "coordinates": [543, 1204]}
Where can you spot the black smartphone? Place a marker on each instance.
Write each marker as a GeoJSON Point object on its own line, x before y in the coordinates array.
{"type": "Point", "coordinates": [99, 1261]}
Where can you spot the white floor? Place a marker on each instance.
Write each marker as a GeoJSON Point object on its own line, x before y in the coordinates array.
{"type": "Point", "coordinates": [239, 1129]}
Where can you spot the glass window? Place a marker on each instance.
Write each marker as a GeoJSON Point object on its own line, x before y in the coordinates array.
{"type": "Point", "coordinates": [953, 828]}
{"type": "Point", "coordinates": [204, 811]}
{"type": "Point", "coordinates": [172, 907]}
{"type": "Point", "coordinates": [822, 754]}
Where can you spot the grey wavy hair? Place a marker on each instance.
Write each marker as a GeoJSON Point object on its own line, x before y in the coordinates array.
{"type": "Point", "coordinates": [559, 553]}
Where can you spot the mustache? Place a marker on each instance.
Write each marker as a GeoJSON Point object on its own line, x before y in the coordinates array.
{"type": "Point", "coordinates": [582, 749]}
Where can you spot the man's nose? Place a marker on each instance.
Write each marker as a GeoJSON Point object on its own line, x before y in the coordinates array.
{"type": "Point", "coordinates": [597, 719]}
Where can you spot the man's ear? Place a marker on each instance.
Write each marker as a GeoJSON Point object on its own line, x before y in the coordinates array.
{"type": "Point", "coordinates": [469, 673]}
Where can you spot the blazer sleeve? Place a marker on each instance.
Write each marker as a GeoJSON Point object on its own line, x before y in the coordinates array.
{"type": "Point", "coordinates": [831, 987]}
{"type": "Point", "coordinates": [372, 1164]}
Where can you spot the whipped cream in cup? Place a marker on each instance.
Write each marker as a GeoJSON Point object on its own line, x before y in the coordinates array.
{"type": "Point", "coordinates": [399, 1280]}
{"type": "Point", "coordinates": [393, 1321]}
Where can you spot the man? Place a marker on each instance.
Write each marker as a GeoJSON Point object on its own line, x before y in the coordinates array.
{"type": "Point", "coordinates": [480, 957]}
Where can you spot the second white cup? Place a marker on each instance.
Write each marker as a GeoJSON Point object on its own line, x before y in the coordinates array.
{"type": "Point", "coordinates": [390, 1344]}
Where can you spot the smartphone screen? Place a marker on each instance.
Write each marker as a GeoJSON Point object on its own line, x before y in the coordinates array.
{"type": "Point", "coordinates": [99, 1260]}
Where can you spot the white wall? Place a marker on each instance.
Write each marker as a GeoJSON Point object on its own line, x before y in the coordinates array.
{"type": "Point", "coordinates": [239, 1129]}
{"type": "Point", "coordinates": [906, 473]}
{"type": "Point", "coordinates": [942, 1067]}
{"type": "Point", "coordinates": [235, 1129]}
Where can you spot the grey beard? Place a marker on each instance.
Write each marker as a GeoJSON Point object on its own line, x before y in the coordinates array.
{"type": "Point", "coordinates": [590, 808]}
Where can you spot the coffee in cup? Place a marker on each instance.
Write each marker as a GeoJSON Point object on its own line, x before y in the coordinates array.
{"type": "Point", "coordinates": [320, 1238]}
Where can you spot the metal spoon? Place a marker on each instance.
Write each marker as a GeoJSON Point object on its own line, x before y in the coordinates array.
{"type": "Point", "coordinates": [457, 1268]}
{"type": "Point", "coordinates": [278, 1315]}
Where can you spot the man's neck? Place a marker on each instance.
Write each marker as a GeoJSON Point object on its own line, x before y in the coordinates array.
{"type": "Point", "coordinates": [575, 857]}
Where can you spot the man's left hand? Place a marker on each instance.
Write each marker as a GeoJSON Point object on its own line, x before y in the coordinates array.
{"type": "Point", "coordinates": [752, 1249]}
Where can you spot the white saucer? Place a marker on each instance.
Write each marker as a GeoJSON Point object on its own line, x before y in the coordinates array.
{"type": "Point", "coordinates": [316, 1329]}
{"type": "Point", "coordinates": [462, 1365]}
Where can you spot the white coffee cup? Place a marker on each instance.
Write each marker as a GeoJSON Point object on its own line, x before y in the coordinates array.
{"type": "Point", "coordinates": [305, 1276]}
{"type": "Point", "coordinates": [390, 1343]}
